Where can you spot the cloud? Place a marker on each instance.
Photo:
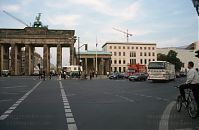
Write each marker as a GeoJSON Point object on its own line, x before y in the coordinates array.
{"type": "Point", "coordinates": [11, 8]}
{"type": "Point", "coordinates": [68, 21]}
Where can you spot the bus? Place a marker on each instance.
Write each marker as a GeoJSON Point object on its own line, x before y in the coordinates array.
{"type": "Point", "coordinates": [72, 70]}
{"type": "Point", "coordinates": [161, 70]}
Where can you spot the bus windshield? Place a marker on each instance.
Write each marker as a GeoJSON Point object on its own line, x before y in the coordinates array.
{"type": "Point", "coordinates": [156, 65]}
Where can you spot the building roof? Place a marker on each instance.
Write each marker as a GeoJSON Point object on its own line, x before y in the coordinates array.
{"type": "Point", "coordinates": [129, 43]}
{"type": "Point", "coordinates": [91, 52]}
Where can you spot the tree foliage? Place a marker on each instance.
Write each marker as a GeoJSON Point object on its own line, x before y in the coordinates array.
{"type": "Point", "coordinates": [172, 58]}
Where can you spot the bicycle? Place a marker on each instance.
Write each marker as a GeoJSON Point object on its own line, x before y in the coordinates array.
{"type": "Point", "coordinates": [189, 103]}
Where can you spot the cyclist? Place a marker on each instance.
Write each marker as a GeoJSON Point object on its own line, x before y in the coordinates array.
{"type": "Point", "coordinates": [192, 82]}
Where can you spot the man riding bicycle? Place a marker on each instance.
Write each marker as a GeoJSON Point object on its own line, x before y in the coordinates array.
{"type": "Point", "coordinates": [192, 82]}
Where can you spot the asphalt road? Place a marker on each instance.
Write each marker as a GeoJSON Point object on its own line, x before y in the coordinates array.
{"type": "Point", "coordinates": [100, 104]}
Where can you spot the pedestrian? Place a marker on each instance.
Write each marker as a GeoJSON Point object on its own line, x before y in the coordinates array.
{"type": "Point", "coordinates": [44, 74]}
{"type": "Point", "coordinates": [50, 76]}
{"type": "Point", "coordinates": [91, 75]}
{"type": "Point", "coordinates": [64, 75]}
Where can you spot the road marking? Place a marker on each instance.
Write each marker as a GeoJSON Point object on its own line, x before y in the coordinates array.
{"type": "Point", "coordinates": [184, 129]}
{"type": "Point", "coordinates": [125, 98]}
{"type": "Point", "coordinates": [14, 106]}
{"type": "Point", "coordinates": [21, 86]}
{"type": "Point", "coordinates": [5, 100]}
{"type": "Point", "coordinates": [164, 122]}
{"type": "Point", "coordinates": [68, 113]}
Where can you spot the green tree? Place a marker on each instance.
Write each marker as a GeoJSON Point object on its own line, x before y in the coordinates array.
{"type": "Point", "coordinates": [172, 58]}
{"type": "Point", "coordinates": [161, 57]}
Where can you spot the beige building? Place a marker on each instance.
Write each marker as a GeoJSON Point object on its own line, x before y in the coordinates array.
{"type": "Point", "coordinates": [130, 53]}
{"type": "Point", "coordinates": [185, 54]}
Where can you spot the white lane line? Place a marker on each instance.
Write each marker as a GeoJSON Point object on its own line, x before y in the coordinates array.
{"type": "Point", "coordinates": [6, 100]}
{"type": "Point", "coordinates": [14, 106]}
{"type": "Point", "coordinates": [164, 122]}
{"type": "Point", "coordinates": [184, 129]}
{"type": "Point", "coordinates": [21, 86]}
{"type": "Point", "coordinates": [68, 113]}
{"type": "Point", "coordinates": [125, 98]}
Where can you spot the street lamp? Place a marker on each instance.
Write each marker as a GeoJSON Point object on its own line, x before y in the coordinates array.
{"type": "Point", "coordinates": [196, 5]}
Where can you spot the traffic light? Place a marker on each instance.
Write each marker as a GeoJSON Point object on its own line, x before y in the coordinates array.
{"type": "Point", "coordinates": [86, 47]}
{"type": "Point", "coordinates": [197, 53]}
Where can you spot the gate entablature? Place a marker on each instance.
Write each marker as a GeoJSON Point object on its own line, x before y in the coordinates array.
{"type": "Point", "coordinates": [29, 38]}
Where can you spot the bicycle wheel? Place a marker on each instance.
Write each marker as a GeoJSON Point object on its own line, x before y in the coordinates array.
{"type": "Point", "coordinates": [192, 108]}
{"type": "Point", "coordinates": [179, 103]}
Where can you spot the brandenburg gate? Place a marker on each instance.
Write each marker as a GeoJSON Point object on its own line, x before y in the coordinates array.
{"type": "Point", "coordinates": [29, 38]}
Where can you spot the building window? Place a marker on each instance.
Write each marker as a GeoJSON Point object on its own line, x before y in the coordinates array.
{"type": "Point", "coordinates": [149, 60]}
{"type": "Point", "coordinates": [115, 53]}
{"type": "Point", "coordinates": [140, 53]}
{"type": "Point", "coordinates": [132, 61]}
{"type": "Point", "coordinates": [123, 53]}
{"type": "Point", "coordinates": [132, 54]}
{"type": "Point", "coordinates": [115, 61]}
{"type": "Point", "coordinates": [124, 62]}
{"type": "Point", "coordinates": [119, 61]}
{"type": "Point", "coordinates": [132, 47]}
{"type": "Point", "coordinates": [141, 62]}
{"type": "Point", "coordinates": [123, 47]}
{"type": "Point", "coordinates": [144, 48]}
{"type": "Point", "coordinates": [110, 47]}
{"type": "Point", "coordinates": [153, 59]}
{"type": "Point", "coordinates": [115, 47]}
{"type": "Point", "coordinates": [140, 48]}
{"type": "Point", "coordinates": [153, 48]}
{"type": "Point", "coordinates": [128, 47]}
{"type": "Point", "coordinates": [153, 53]}
{"type": "Point", "coordinates": [145, 61]}
{"type": "Point", "coordinates": [144, 53]}
{"type": "Point", "coordinates": [119, 47]}
{"type": "Point", "coordinates": [115, 69]}
{"type": "Point", "coordinates": [149, 48]}
{"type": "Point", "coordinates": [120, 69]}
{"type": "Point", "coordinates": [124, 69]}
{"type": "Point", "coordinates": [136, 48]}
{"type": "Point", "coordinates": [149, 53]}
{"type": "Point", "coordinates": [119, 53]}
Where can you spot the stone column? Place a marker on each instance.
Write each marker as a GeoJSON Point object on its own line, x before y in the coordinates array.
{"type": "Point", "coordinates": [32, 59]}
{"type": "Point", "coordinates": [86, 66]}
{"type": "Point", "coordinates": [94, 64]}
{"type": "Point", "coordinates": [1, 57]}
{"type": "Point", "coordinates": [102, 66]}
{"type": "Point", "coordinates": [46, 59]}
{"type": "Point", "coordinates": [71, 55]}
{"type": "Point", "coordinates": [19, 58]}
{"type": "Point", "coordinates": [14, 59]}
{"type": "Point", "coordinates": [28, 60]}
{"type": "Point", "coordinates": [59, 58]}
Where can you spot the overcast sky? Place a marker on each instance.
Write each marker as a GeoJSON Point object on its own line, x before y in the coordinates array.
{"type": "Point", "coordinates": [165, 22]}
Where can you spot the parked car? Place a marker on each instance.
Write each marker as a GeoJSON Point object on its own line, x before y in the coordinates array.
{"type": "Point", "coordinates": [138, 77]}
{"type": "Point", "coordinates": [5, 73]}
{"type": "Point", "coordinates": [116, 75]}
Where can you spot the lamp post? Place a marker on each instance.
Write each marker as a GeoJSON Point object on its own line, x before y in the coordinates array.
{"type": "Point", "coordinates": [196, 5]}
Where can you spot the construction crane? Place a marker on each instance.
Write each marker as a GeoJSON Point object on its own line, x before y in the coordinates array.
{"type": "Point", "coordinates": [16, 18]}
{"type": "Point", "coordinates": [127, 33]}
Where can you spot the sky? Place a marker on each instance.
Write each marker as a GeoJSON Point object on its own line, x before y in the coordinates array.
{"type": "Point", "coordinates": [168, 23]}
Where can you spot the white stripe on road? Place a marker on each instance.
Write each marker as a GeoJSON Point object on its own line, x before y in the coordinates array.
{"type": "Point", "coordinates": [68, 113]}
{"type": "Point", "coordinates": [164, 122]}
{"type": "Point", "coordinates": [14, 106]}
{"type": "Point", "coordinates": [125, 98]}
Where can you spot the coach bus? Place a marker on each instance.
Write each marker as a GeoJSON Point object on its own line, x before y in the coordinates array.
{"type": "Point", "coordinates": [161, 70]}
